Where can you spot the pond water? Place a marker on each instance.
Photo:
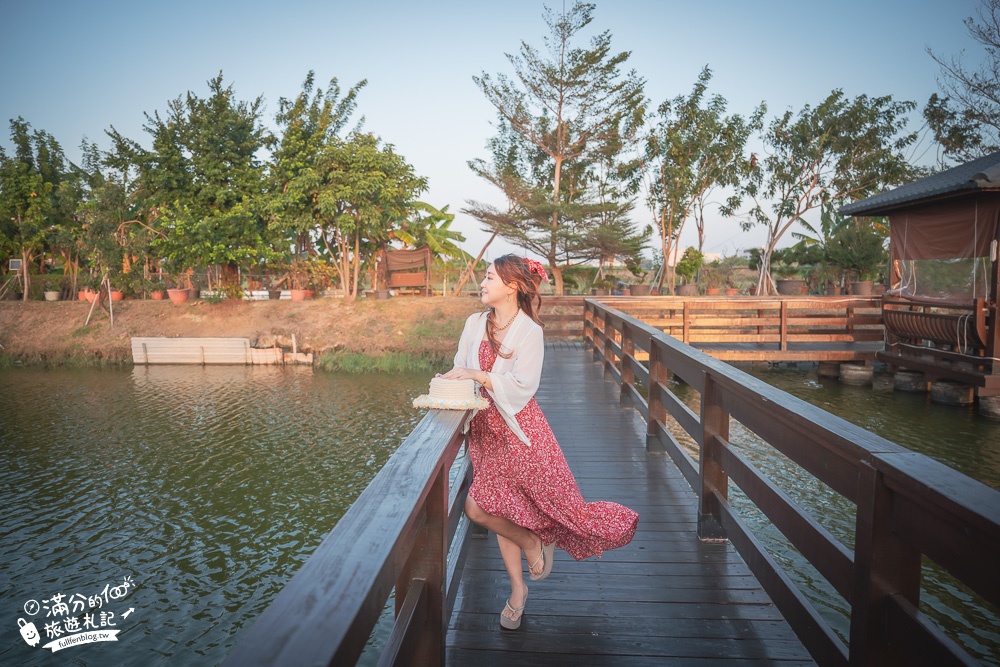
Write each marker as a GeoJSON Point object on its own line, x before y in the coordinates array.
{"type": "Point", "coordinates": [180, 499]}
{"type": "Point", "coordinates": [206, 487]}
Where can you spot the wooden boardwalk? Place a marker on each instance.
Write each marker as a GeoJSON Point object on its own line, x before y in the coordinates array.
{"type": "Point", "coordinates": [665, 599]}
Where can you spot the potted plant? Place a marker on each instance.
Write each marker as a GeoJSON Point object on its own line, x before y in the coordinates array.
{"type": "Point", "coordinates": [602, 286]}
{"type": "Point", "coordinates": [858, 248]}
{"type": "Point", "coordinates": [687, 268]}
{"type": "Point", "coordinates": [157, 289]}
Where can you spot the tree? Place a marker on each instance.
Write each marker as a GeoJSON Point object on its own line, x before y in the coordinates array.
{"type": "Point", "coordinates": [431, 227]}
{"type": "Point", "coordinates": [570, 105]}
{"type": "Point", "coordinates": [366, 189]}
{"type": "Point", "coordinates": [839, 150]}
{"type": "Point", "coordinates": [966, 120]}
{"type": "Point", "coordinates": [37, 195]}
{"type": "Point", "coordinates": [205, 181]}
{"type": "Point", "coordinates": [310, 124]}
{"type": "Point", "coordinates": [692, 148]}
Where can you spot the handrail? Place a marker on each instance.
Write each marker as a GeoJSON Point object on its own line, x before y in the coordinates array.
{"type": "Point", "coordinates": [908, 505]}
{"type": "Point", "coordinates": [397, 533]}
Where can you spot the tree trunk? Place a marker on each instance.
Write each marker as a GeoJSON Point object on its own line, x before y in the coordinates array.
{"type": "Point", "coordinates": [357, 263]}
{"type": "Point", "coordinates": [464, 278]}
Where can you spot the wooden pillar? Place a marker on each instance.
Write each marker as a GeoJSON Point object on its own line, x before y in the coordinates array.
{"type": "Point", "coordinates": [883, 565]}
{"type": "Point", "coordinates": [628, 375]}
{"type": "Point", "coordinates": [425, 570]}
{"type": "Point", "coordinates": [783, 332]}
{"type": "Point", "coordinates": [714, 426]}
{"type": "Point", "coordinates": [658, 375]}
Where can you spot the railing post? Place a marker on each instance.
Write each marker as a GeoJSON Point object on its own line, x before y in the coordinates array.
{"type": "Point", "coordinates": [609, 337]}
{"type": "Point", "coordinates": [658, 374]}
{"type": "Point", "coordinates": [600, 324]}
{"type": "Point", "coordinates": [628, 375]}
{"type": "Point", "coordinates": [686, 323]}
{"type": "Point", "coordinates": [883, 565]}
{"type": "Point", "coordinates": [427, 563]}
{"type": "Point", "coordinates": [783, 334]}
{"type": "Point", "coordinates": [588, 323]}
{"type": "Point", "coordinates": [714, 426]}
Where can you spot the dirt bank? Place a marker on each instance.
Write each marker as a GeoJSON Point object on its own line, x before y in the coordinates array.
{"type": "Point", "coordinates": [39, 331]}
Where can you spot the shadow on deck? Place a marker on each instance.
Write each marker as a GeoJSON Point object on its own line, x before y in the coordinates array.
{"type": "Point", "coordinates": [666, 598]}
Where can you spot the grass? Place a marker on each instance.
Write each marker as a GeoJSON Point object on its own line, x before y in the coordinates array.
{"type": "Point", "coordinates": [390, 362]}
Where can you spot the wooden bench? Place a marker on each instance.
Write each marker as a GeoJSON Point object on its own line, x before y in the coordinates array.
{"type": "Point", "coordinates": [407, 279]}
{"type": "Point", "coordinates": [963, 327]}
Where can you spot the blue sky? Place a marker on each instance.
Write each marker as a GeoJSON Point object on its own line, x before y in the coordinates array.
{"type": "Point", "coordinates": [76, 68]}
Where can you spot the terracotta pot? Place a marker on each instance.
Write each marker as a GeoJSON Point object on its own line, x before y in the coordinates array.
{"type": "Point", "coordinates": [299, 294]}
{"type": "Point", "coordinates": [178, 295]}
{"type": "Point", "coordinates": [712, 291]}
{"type": "Point", "coordinates": [732, 291]}
{"type": "Point", "coordinates": [117, 295]}
{"type": "Point", "coordinates": [861, 288]}
{"type": "Point", "coordinates": [687, 290]}
{"type": "Point", "coordinates": [640, 290]}
{"type": "Point", "coordinates": [88, 295]}
{"type": "Point", "coordinates": [157, 295]}
{"type": "Point", "coordinates": [790, 286]}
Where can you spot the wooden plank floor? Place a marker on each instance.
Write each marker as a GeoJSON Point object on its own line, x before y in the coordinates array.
{"type": "Point", "coordinates": [665, 599]}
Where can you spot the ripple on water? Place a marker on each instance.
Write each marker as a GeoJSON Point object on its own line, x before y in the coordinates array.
{"type": "Point", "coordinates": [210, 486]}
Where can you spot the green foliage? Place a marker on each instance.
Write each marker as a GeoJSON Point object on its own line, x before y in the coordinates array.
{"type": "Point", "coordinates": [860, 248]}
{"type": "Point", "coordinates": [390, 362]}
{"type": "Point", "coordinates": [692, 148]}
{"type": "Point", "coordinates": [966, 119]}
{"type": "Point", "coordinates": [206, 181]}
{"type": "Point", "coordinates": [838, 151]}
{"type": "Point", "coordinates": [561, 158]}
{"type": "Point", "coordinates": [689, 264]}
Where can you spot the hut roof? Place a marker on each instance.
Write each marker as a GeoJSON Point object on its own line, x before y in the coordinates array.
{"type": "Point", "coordinates": [978, 175]}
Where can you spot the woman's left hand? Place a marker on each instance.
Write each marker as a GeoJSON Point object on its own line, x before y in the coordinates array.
{"type": "Point", "coordinates": [459, 373]}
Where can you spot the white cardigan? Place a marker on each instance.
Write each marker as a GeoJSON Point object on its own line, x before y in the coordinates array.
{"type": "Point", "coordinates": [514, 380]}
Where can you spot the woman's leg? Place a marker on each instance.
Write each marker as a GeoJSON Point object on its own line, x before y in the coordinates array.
{"type": "Point", "coordinates": [523, 538]}
{"type": "Point", "coordinates": [511, 554]}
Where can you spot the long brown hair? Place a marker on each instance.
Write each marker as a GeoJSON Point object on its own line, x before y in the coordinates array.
{"type": "Point", "coordinates": [514, 270]}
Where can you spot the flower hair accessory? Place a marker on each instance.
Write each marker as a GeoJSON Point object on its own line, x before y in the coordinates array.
{"type": "Point", "coordinates": [534, 266]}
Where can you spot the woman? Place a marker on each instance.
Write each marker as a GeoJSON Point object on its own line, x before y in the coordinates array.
{"type": "Point", "coordinates": [522, 488]}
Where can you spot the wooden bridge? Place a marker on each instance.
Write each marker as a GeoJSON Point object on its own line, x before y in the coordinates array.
{"type": "Point", "coordinates": [695, 587]}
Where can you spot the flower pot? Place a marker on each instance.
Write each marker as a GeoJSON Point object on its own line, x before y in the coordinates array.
{"type": "Point", "coordinates": [732, 291]}
{"type": "Point", "coordinates": [712, 291]}
{"type": "Point", "coordinates": [117, 295]}
{"type": "Point", "coordinates": [51, 295]}
{"type": "Point", "coordinates": [790, 286]}
{"type": "Point", "coordinates": [861, 288]}
{"type": "Point", "coordinates": [687, 290]}
{"type": "Point", "coordinates": [640, 290]}
{"type": "Point", "coordinates": [299, 294]}
{"type": "Point", "coordinates": [274, 294]}
{"type": "Point", "coordinates": [157, 295]}
{"type": "Point", "coordinates": [87, 295]}
{"type": "Point", "coordinates": [178, 295]}
{"type": "Point", "coordinates": [194, 293]}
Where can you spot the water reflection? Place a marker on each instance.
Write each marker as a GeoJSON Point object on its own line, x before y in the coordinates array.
{"type": "Point", "coordinates": [210, 486]}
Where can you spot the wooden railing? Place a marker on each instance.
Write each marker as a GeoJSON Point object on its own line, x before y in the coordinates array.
{"type": "Point", "coordinates": [907, 505]}
{"type": "Point", "coordinates": [781, 323]}
{"type": "Point", "coordinates": [399, 532]}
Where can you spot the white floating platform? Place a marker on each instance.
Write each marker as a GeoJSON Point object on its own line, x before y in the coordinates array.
{"type": "Point", "coordinates": [203, 351]}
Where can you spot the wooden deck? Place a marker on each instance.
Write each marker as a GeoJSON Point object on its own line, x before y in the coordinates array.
{"type": "Point", "coordinates": [666, 598]}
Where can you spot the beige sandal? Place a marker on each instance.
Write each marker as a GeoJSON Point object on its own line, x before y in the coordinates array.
{"type": "Point", "coordinates": [509, 623]}
{"type": "Point", "coordinates": [547, 555]}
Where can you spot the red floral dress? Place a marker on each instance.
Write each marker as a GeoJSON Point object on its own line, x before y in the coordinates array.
{"type": "Point", "coordinates": [534, 487]}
